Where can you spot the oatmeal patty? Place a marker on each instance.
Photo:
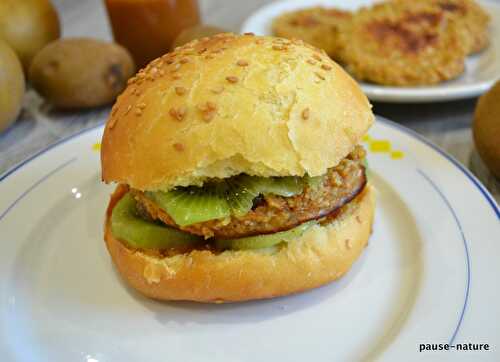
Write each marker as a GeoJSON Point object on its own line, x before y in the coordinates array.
{"type": "Point", "coordinates": [272, 213]}
{"type": "Point", "coordinates": [404, 43]}
{"type": "Point", "coordinates": [472, 19]}
{"type": "Point", "coordinates": [317, 26]}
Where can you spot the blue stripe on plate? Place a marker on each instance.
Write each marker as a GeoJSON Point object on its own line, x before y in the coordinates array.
{"type": "Point", "coordinates": [41, 152]}
{"type": "Point", "coordinates": [450, 158]}
{"type": "Point", "coordinates": [28, 190]}
{"type": "Point", "coordinates": [466, 249]}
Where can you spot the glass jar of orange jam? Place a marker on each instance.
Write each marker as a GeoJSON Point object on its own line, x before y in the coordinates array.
{"type": "Point", "coordinates": [147, 28]}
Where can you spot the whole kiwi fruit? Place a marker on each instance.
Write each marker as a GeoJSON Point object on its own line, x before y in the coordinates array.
{"type": "Point", "coordinates": [27, 26]}
{"type": "Point", "coordinates": [81, 72]}
{"type": "Point", "coordinates": [486, 129]}
{"type": "Point", "coordinates": [11, 85]}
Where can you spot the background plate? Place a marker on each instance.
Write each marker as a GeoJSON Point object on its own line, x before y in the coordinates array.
{"type": "Point", "coordinates": [482, 70]}
{"type": "Point", "coordinates": [428, 275]}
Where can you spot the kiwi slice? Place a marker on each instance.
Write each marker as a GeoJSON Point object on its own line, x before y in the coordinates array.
{"type": "Point", "coordinates": [283, 186]}
{"type": "Point", "coordinates": [221, 199]}
{"type": "Point", "coordinates": [240, 193]}
{"type": "Point", "coordinates": [264, 241]}
{"type": "Point", "coordinates": [192, 205]}
{"type": "Point", "coordinates": [314, 182]}
{"type": "Point", "coordinates": [128, 226]}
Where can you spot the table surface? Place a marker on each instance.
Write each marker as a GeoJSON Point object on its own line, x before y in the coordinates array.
{"type": "Point", "coordinates": [446, 124]}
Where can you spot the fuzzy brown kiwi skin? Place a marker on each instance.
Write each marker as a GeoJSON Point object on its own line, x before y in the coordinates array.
{"type": "Point", "coordinates": [486, 129]}
{"type": "Point", "coordinates": [81, 73]}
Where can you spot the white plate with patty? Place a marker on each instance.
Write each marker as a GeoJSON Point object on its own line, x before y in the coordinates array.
{"type": "Point", "coordinates": [426, 280]}
{"type": "Point", "coordinates": [481, 70]}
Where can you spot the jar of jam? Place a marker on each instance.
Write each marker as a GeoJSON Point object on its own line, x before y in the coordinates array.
{"type": "Point", "coordinates": [147, 28]}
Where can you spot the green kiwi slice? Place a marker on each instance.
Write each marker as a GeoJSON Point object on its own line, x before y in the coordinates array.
{"type": "Point", "coordinates": [126, 225]}
{"type": "Point", "coordinates": [221, 199]}
{"type": "Point", "coordinates": [264, 241]}
{"type": "Point", "coordinates": [191, 205]}
{"type": "Point", "coordinates": [314, 182]}
{"type": "Point", "coordinates": [283, 186]}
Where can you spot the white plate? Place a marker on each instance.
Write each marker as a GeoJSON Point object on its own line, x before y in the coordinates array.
{"type": "Point", "coordinates": [481, 70]}
{"type": "Point", "coordinates": [429, 274]}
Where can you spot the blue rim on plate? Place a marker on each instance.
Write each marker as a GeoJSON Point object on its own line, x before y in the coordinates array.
{"type": "Point", "coordinates": [48, 148]}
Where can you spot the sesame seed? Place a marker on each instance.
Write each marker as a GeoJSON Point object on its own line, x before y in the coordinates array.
{"type": "Point", "coordinates": [242, 63]}
{"type": "Point", "coordinates": [249, 33]}
{"type": "Point", "coordinates": [348, 243]}
{"type": "Point", "coordinates": [305, 114]}
{"type": "Point", "coordinates": [141, 105]}
{"type": "Point", "coordinates": [358, 219]}
{"type": "Point", "coordinates": [326, 66]}
{"type": "Point", "coordinates": [128, 109]}
{"type": "Point", "coordinates": [178, 113]}
{"type": "Point", "coordinates": [320, 76]}
{"type": "Point", "coordinates": [205, 38]}
{"type": "Point", "coordinates": [317, 57]}
{"type": "Point", "coordinates": [180, 91]}
{"type": "Point", "coordinates": [138, 112]}
{"type": "Point", "coordinates": [112, 122]}
{"type": "Point", "coordinates": [184, 61]}
{"type": "Point", "coordinates": [179, 147]}
{"type": "Point", "coordinates": [209, 56]}
{"type": "Point", "coordinates": [232, 79]}
{"type": "Point", "coordinates": [217, 90]}
{"type": "Point", "coordinates": [310, 61]}
{"type": "Point", "coordinates": [202, 50]}
{"type": "Point", "coordinates": [278, 47]}
{"type": "Point", "coordinates": [211, 106]}
{"type": "Point", "coordinates": [208, 115]}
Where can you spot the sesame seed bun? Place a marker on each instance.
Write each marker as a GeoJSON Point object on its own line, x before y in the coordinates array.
{"type": "Point", "coordinates": [321, 255]}
{"type": "Point", "coordinates": [233, 104]}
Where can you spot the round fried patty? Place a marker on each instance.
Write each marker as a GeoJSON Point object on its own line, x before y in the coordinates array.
{"type": "Point", "coordinates": [403, 43]}
{"type": "Point", "coordinates": [274, 213]}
